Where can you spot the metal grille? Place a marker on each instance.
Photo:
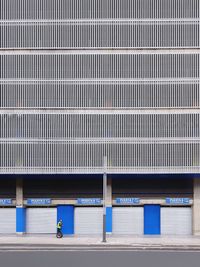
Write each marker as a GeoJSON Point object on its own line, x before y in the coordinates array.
{"type": "Point", "coordinates": [101, 9]}
{"type": "Point", "coordinates": [41, 24]}
{"type": "Point", "coordinates": [108, 66]}
{"type": "Point", "coordinates": [86, 156]}
{"type": "Point", "coordinates": [110, 94]}
{"type": "Point", "coordinates": [97, 126]}
{"type": "Point", "coordinates": [62, 111]}
{"type": "Point", "coordinates": [100, 34]}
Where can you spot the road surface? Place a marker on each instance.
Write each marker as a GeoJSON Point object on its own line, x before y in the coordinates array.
{"type": "Point", "coordinates": [97, 258]}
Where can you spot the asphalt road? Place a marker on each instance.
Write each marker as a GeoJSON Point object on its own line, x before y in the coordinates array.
{"type": "Point", "coordinates": [99, 259]}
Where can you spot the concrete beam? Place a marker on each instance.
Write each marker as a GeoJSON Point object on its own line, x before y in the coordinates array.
{"type": "Point", "coordinates": [141, 111]}
{"type": "Point", "coordinates": [111, 201]}
{"type": "Point", "coordinates": [104, 51]}
{"type": "Point", "coordinates": [157, 201]}
{"type": "Point", "coordinates": [196, 206]}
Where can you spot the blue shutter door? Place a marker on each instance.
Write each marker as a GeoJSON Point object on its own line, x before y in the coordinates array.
{"type": "Point", "coordinates": [152, 219]}
{"type": "Point", "coordinates": [66, 214]}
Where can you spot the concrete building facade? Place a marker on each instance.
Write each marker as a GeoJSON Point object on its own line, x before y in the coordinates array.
{"type": "Point", "coordinates": [85, 79]}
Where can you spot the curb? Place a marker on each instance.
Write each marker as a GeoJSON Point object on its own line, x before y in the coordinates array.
{"type": "Point", "coordinates": [90, 247]}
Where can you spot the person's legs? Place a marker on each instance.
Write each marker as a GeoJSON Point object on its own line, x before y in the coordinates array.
{"type": "Point", "coordinates": [59, 231]}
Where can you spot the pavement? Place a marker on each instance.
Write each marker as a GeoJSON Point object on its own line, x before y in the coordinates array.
{"type": "Point", "coordinates": [50, 242]}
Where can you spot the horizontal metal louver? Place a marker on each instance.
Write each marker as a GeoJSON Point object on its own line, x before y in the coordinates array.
{"type": "Point", "coordinates": [176, 221]}
{"type": "Point", "coordinates": [128, 221]}
{"type": "Point", "coordinates": [41, 220]}
{"type": "Point", "coordinates": [88, 221]}
{"type": "Point", "coordinates": [7, 220]}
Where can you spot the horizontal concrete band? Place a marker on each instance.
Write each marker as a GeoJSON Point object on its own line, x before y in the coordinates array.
{"type": "Point", "coordinates": [109, 111]}
{"type": "Point", "coordinates": [106, 51]}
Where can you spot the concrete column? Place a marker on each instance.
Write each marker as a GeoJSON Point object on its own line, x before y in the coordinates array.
{"type": "Point", "coordinates": [109, 206]}
{"type": "Point", "coordinates": [19, 192]}
{"type": "Point", "coordinates": [196, 206]}
{"type": "Point", "coordinates": [20, 210]}
{"type": "Point", "coordinates": [109, 192]}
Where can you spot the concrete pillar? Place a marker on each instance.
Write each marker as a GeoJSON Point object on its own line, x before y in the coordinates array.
{"type": "Point", "coordinates": [20, 210]}
{"type": "Point", "coordinates": [19, 192]}
{"type": "Point", "coordinates": [109, 192]}
{"type": "Point", "coordinates": [109, 206]}
{"type": "Point", "coordinates": [196, 206]}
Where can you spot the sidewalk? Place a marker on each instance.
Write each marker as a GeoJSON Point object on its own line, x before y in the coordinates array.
{"type": "Point", "coordinates": [188, 242]}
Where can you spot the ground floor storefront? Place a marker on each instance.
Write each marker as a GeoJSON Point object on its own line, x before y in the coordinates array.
{"type": "Point", "coordinates": [135, 206]}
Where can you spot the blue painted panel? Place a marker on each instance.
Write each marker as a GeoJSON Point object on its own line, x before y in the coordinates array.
{"type": "Point", "coordinates": [108, 219]}
{"type": "Point", "coordinates": [66, 213]}
{"type": "Point", "coordinates": [20, 219]}
{"type": "Point", "coordinates": [152, 219]}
